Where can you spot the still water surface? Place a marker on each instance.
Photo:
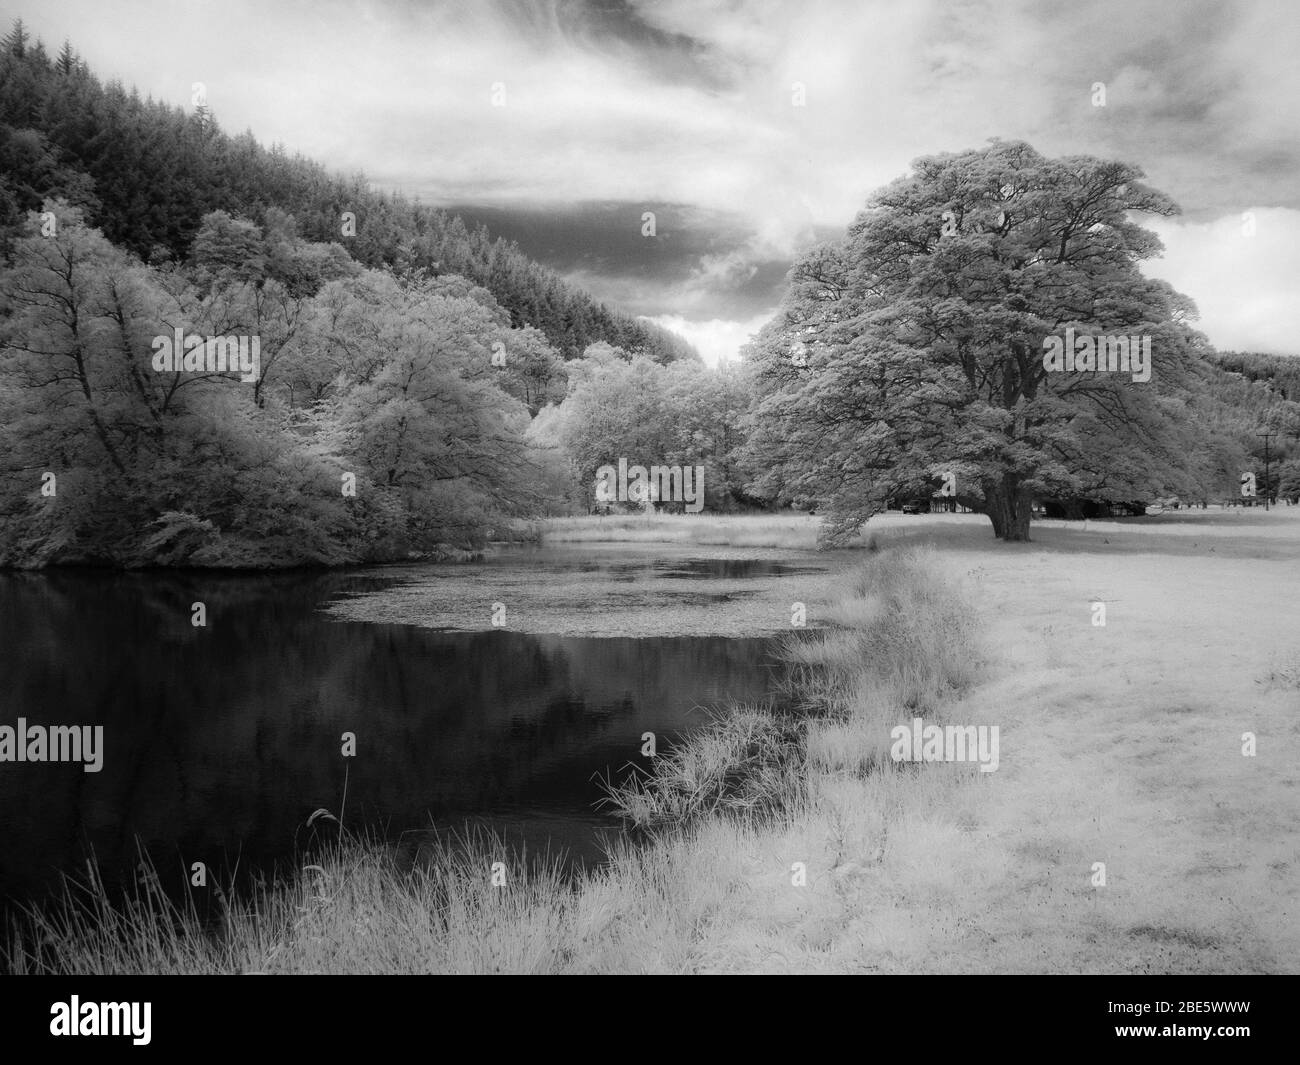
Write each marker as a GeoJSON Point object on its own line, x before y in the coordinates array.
{"type": "Point", "coordinates": [220, 741]}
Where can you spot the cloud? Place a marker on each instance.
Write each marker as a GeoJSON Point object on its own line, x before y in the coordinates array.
{"type": "Point", "coordinates": [1221, 264]}
{"type": "Point", "coordinates": [693, 103]}
{"type": "Point", "coordinates": [717, 340]}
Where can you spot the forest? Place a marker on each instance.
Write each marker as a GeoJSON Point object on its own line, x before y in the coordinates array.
{"type": "Point", "coordinates": [420, 388]}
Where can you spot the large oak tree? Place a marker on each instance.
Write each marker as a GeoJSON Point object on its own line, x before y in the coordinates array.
{"type": "Point", "coordinates": [914, 346]}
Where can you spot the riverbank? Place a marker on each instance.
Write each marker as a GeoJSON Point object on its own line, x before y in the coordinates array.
{"type": "Point", "coordinates": [783, 530]}
{"type": "Point", "coordinates": [779, 845]}
{"type": "Point", "coordinates": [748, 781]}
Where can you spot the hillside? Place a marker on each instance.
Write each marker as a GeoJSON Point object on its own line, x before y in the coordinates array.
{"type": "Point", "coordinates": [146, 172]}
{"type": "Point", "coordinates": [1280, 372]}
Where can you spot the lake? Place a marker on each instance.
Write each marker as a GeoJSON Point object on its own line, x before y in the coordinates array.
{"type": "Point", "coordinates": [220, 741]}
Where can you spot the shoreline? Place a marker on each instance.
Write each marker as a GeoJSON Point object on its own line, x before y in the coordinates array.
{"type": "Point", "coordinates": [804, 850]}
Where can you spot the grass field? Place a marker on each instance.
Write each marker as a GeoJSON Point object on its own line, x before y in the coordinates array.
{"type": "Point", "coordinates": [799, 846]}
{"type": "Point", "coordinates": [784, 530]}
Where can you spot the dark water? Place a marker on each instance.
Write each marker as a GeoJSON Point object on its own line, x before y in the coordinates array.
{"type": "Point", "coordinates": [567, 559]}
{"type": "Point", "coordinates": [219, 742]}
{"type": "Point", "coordinates": [728, 568]}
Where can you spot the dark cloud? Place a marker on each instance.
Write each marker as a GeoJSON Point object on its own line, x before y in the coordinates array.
{"type": "Point", "coordinates": [700, 263]}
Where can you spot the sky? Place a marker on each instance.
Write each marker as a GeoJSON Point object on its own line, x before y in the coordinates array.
{"type": "Point", "coordinates": [748, 130]}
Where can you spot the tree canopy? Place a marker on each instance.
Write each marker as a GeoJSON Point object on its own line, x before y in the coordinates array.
{"type": "Point", "coordinates": [914, 347]}
{"type": "Point", "coordinates": [374, 427]}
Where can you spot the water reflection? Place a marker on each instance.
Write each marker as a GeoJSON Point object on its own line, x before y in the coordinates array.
{"type": "Point", "coordinates": [220, 741]}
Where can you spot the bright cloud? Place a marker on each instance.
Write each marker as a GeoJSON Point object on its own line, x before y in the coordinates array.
{"type": "Point", "coordinates": [783, 116]}
{"type": "Point", "coordinates": [717, 340]}
{"type": "Point", "coordinates": [1219, 264]}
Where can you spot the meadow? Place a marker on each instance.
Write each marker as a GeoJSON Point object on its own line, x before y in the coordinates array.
{"type": "Point", "coordinates": [723, 530]}
{"type": "Point", "coordinates": [794, 843]}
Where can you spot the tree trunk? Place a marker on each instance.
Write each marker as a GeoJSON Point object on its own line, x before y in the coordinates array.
{"type": "Point", "coordinates": [1008, 507]}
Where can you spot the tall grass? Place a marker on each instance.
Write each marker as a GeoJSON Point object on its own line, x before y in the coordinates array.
{"type": "Point", "coordinates": [902, 641]}
{"type": "Point", "coordinates": [356, 905]}
{"type": "Point", "coordinates": [901, 631]}
{"type": "Point", "coordinates": [704, 888]}
{"type": "Point", "coordinates": [748, 761]}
